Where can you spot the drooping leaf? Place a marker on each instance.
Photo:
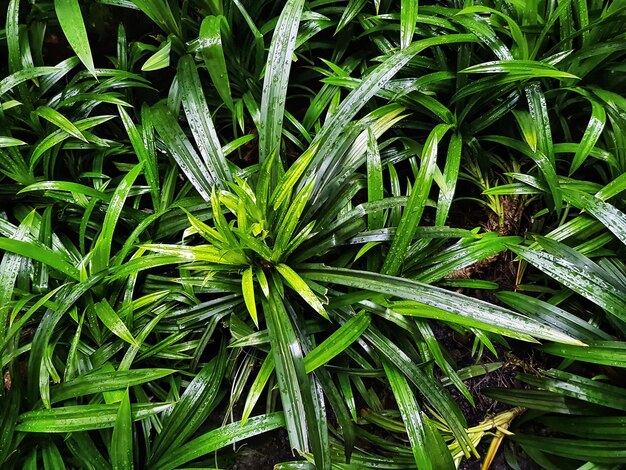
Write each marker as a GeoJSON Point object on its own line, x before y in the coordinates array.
{"type": "Point", "coordinates": [113, 322]}
{"type": "Point", "coordinates": [213, 54]}
{"type": "Point", "coordinates": [77, 418]}
{"type": "Point", "coordinates": [450, 304]}
{"type": "Point", "coordinates": [73, 26]}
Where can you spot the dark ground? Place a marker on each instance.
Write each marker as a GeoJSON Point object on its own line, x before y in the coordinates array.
{"type": "Point", "coordinates": [264, 451]}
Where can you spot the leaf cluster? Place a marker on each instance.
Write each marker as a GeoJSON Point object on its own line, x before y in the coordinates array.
{"type": "Point", "coordinates": [247, 218]}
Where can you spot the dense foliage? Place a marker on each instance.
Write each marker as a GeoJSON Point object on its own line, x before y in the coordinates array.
{"type": "Point", "coordinates": [223, 218]}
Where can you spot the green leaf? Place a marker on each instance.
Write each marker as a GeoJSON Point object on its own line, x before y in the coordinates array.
{"type": "Point", "coordinates": [85, 451]}
{"type": "Point", "coordinates": [416, 427]}
{"type": "Point", "coordinates": [408, 18]}
{"type": "Point", "coordinates": [6, 141]}
{"type": "Point", "coordinates": [207, 253]}
{"type": "Point", "coordinates": [9, 411]}
{"type": "Point", "coordinates": [60, 121]}
{"type": "Point", "coordinates": [199, 119]}
{"type": "Point", "coordinates": [12, 35]}
{"type": "Point", "coordinates": [450, 178]}
{"type": "Point", "coordinates": [24, 75]}
{"type": "Point", "coordinates": [288, 224]}
{"type": "Point", "coordinates": [247, 286]}
{"type": "Point", "coordinates": [122, 438]}
{"type": "Point", "coordinates": [77, 418]}
{"type": "Point", "coordinates": [582, 13]}
{"type": "Point", "coordinates": [218, 438]}
{"type": "Point", "coordinates": [10, 268]}
{"type": "Point", "coordinates": [611, 217]}
{"type": "Point", "coordinates": [553, 316]}
{"type": "Point", "coordinates": [288, 358]}
{"type": "Point", "coordinates": [161, 13]}
{"type": "Point", "coordinates": [538, 109]}
{"type": "Point", "coordinates": [592, 427]}
{"type": "Point", "coordinates": [610, 452]}
{"type": "Point", "coordinates": [193, 407]}
{"type": "Point", "coordinates": [59, 136]}
{"type": "Point", "coordinates": [71, 21]}
{"type": "Point", "coordinates": [257, 387]}
{"type": "Point", "coordinates": [610, 353]}
{"type": "Point", "coordinates": [528, 68]}
{"type": "Point", "coordinates": [582, 388]}
{"type": "Point", "coordinates": [113, 322]}
{"type": "Point", "coordinates": [98, 382]}
{"type": "Point", "coordinates": [541, 400]}
{"type": "Point", "coordinates": [178, 145]}
{"type": "Point", "coordinates": [431, 390]}
{"type": "Point", "coordinates": [71, 292]}
{"type": "Point", "coordinates": [578, 276]}
{"type": "Point", "coordinates": [144, 154]}
{"type": "Point", "coordinates": [337, 342]}
{"type": "Point", "coordinates": [52, 459]}
{"type": "Point", "coordinates": [213, 54]}
{"type": "Point", "coordinates": [486, 34]}
{"type": "Point", "coordinates": [375, 187]}
{"type": "Point", "coordinates": [102, 251]}
{"type": "Point", "coordinates": [302, 288]}
{"type": "Point", "coordinates": [276, 78]}
{"type": "Point", "coordinates": [514, 29]}
{"type": "Point", "coordinates": [352, 9]}
{"type": "Point", "coordinates": [304, 407]}
{"type": "Point", "coordinates": [290, 178]}
{"type": "Point", "coordinates": [416, 204]}
{"type": "Point", "coordinates": [66, 186]}
{"type": "Point", "coordinates": [370, 85]}
{"type": "Point", "coordinates": [39, 253]}
{"type": "Point", "coordinates": [451, 305]}
{"type": "Point", "coordinates": [590, 137]}
{"type": "Point", "coordinates": [159, 60]}
{"type": "Point", "coordinates": [613, 188]}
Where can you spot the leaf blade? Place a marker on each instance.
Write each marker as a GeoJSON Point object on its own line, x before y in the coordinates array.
{"type": "Point", "coordinates": [122, 438]}
{"type": "Point", "coordinates": [73, 26]}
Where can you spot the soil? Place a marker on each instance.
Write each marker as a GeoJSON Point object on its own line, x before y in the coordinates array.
{"type": "Point", "coordinates": [264, 452]}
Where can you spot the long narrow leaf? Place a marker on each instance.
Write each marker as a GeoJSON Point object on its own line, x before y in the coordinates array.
{"type": "Point", "coordinates": [77, 418]}
{"type": "Point", "coordinates": [191, 410]}
{"type": "Point", "coordinates": [199, 119]}
{"type": "Point", "coordinates": [71, 21]}
{"type": "Point", "coordinates": [442, 299]}
{"type": "Point", "coordinates": [122, 438]}
{"type": "Point", "coordinates": [277, 77]}
{"type": "Point", "coordinates": [220, 437]}
{"type": "Point", "coordinates": [416, 204]}
{"type": "Point", "coordinates": [102, 250]}
{"type": "Point", "coordinates": [337, 342]}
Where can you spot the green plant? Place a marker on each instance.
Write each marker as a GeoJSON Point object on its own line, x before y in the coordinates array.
{"type": "Point", "coordinates": [273, 225]}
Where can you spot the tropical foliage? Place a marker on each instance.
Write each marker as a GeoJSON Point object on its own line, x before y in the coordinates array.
{"type": "Point", "coordinates": [223, 218]}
